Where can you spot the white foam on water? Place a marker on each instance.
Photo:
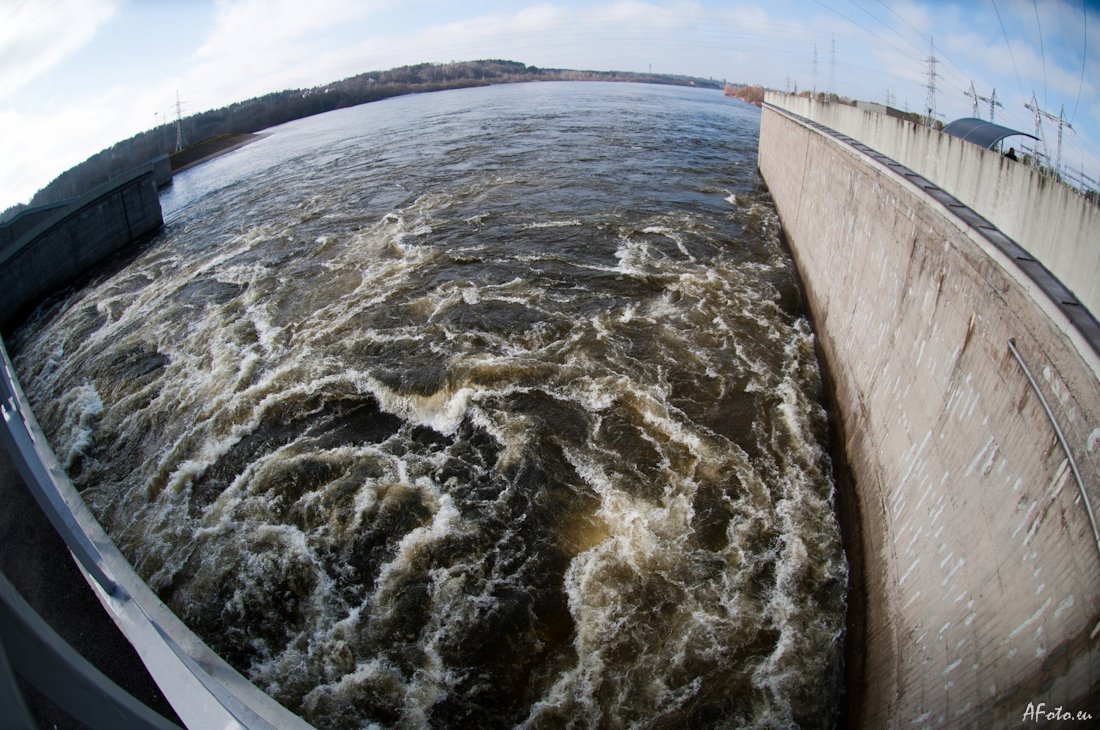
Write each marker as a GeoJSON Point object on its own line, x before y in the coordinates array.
{"type": "Point", "coordinates": [446, 520]}
{"type": "Point", "coordinates": [679, 550]}
{"type": "Point", "coordinates": [673, 234]}
{"type": "Point", "coordinates": [80, 408]}
{"type": "Point", "coordinates": [570, 223]}
{"type": "Point", "coordinates": [441, 411]}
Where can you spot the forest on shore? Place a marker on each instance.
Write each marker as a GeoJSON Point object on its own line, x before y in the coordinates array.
{"type": "Point", "coordinates": [266, 111]}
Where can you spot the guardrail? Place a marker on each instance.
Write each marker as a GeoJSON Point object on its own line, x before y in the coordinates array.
{"type": "Point", "coordinates": [30, 648]}
{"type": "Point", "coordinates": [1061, 440]}
{"type": "Point", "coordinates": [201, 687]}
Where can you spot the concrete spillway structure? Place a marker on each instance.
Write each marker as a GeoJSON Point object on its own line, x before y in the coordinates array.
{"type": "Point", "coordinates": [976, 565]}
{"type": "Point", "coordinates": [44, 249]}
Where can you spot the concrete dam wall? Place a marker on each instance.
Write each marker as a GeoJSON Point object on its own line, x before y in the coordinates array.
{"type": "Point", "coordinates": [975, 560]}
{"type": "Point", "coordinates": [1056, 225]}
{"type": "Point", "coordinates": [44, 249]}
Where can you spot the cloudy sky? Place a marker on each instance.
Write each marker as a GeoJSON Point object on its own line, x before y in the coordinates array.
{"type": "Point", "coordinates": [77, 76]}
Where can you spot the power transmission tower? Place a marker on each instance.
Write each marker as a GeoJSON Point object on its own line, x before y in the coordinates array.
{"type": "Point", "coordinates": [179, 122]}
{"type": "Point", "coordinates": [992, 103]}
{"type": "Point", "coordinates": [815, 72]}
{"type": "Point", "coordinates": [992, 99]}
{"type": "Point", "coordinates": [1060, 120]}
{"type": "Point", "coordinates": [930, 102]}
{"type": "Point", "coordinates": [832, 64]}
{"type": "Point", "coordinates": [974, 96]}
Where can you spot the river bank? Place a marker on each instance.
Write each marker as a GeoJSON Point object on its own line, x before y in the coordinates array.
{"type": "Point", "coordinates": [209, 149]}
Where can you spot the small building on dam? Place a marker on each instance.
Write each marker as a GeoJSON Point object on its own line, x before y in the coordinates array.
{"type": "Point", "coordinates": [953, 293]}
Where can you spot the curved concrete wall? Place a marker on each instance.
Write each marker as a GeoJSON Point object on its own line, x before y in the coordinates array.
{"type": "Point", "coordinates": [1056, 225]}
{"type": "Point", "coordinates": [973, 553]}
{"type": "Point", "coordinates": [69, 239]}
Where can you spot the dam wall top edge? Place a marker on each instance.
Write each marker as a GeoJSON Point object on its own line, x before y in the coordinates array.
{"type": "Point", "coordinates": [1049, 220]}
{"type": "Point", "coordinates": [1076, 313]}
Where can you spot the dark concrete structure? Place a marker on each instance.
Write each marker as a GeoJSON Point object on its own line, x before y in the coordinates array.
{"type": "Point", "coordinates": [27, 220]}
{"type": "Point", "coordinates": [51, 247]}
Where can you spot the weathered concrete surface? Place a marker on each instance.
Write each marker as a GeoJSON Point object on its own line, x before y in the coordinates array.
{"type": "Point", "coordinates": [66, 244]}
{"type": "Point", "coordinates": [980, 573]}
{"type": "Point", "coordinates": [1057, 226]}
{"type": "Point", "coordinates": [15, 227]}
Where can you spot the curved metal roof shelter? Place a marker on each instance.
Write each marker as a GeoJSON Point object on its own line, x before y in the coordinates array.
{"type": "Point", "coordinates": [981, 132]}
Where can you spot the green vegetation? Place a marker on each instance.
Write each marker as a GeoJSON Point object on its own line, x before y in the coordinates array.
{"type": "Point", "coordinates": [266, 111]}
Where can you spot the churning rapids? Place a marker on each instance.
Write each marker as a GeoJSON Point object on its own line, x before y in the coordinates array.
{"type": "Point", "coordinates": [483, 408]}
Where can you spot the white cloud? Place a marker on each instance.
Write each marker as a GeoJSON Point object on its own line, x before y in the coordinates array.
{"type": "Point", "coordinates": [35, 37]}
{"type": "Point", "coordinates": [47, 144]}
{"type": "Point", "coordinates": [624, 35]}
{"type": "Point", "coordinates": [259, 46]}
{"type": "Point", "coordinates": [246, 27]}
{"type": "Point", "coordinates": [914, 17]}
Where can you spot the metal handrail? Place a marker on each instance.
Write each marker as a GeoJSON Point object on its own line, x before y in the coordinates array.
{"type": "Point", "coordinates": [1061, 440]}
{"type": "Point", "coordinates": [202, 689]}
{"type": "Point", "coordinates": [38, 654]}
{"type": "Point", "coordinates": [19, 441]}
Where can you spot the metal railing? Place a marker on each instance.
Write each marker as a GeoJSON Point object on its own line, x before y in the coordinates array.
{"type": "Point", "coordinates": [1061, 440]}
{"type": "Point", "coordinates": [34, 651]}
{"type": "Point", "coordinates": [201, 687]}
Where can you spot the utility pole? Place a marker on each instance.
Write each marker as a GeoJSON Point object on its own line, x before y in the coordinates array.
{"type": "Point", "coordinates": [974, 96]}
{"type": "Point", "coordinates": [992, 103]}
{"type": "Point", "coordinates": [179, 122]}
{"type": "Point", "coordinates": [1060, 120]}
{"type": "Point", "coordinates": [930, 101]}
{"type": "Point", "coordinates": [1033, 106]}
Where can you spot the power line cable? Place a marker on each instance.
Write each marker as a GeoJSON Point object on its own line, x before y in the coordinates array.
{"type": "Point", "coordinates": [1042, 50]}
{"type": "Point", "coordinates": [1084, 55]}
{"type": "Point", "coordinates": [1007, 43]}
{"type": "Point", "coordinates": [960, 84]}
{"type": "Point", "coordinates": [948, 78]}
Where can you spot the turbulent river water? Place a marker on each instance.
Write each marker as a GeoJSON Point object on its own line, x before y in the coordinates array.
{"type": "Point", "coordinates": [484, 408]}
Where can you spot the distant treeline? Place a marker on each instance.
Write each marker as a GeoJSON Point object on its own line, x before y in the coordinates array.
{"type": "Point", "coordinates": [754, 94]}
{"type": "Point", "coordinates": [266, 111]}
